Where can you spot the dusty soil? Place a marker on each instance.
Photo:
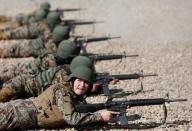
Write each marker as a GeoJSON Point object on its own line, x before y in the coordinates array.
{"type": "Point", "coordinates": [159, 31]}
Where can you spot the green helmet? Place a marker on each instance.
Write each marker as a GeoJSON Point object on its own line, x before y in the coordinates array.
{"type": "Point", "coordinates": [60, 33]}
{"type": "Point", "coordinates": [45, 6]}
{"type": "Point", "coordinates": [81, 61]}
{"type": "Point", "coordinates": [40, 15]}
{"type": "Point", "coordinates": [67, 49]}
{"type": "Point", "coordinates": [83, 73]}
{"type": "Point", "coordinates": [53, 18]}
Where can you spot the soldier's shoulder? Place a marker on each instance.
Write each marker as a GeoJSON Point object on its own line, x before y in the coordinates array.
{"type": "Point", "coordinates": [64, 68]}
{"type": "Point", "coordinates": [64, 86]}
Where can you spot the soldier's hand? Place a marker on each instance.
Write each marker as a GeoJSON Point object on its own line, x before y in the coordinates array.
{"type": "Point", "coordinates": [108, 115]}
{"type": "Point", "coordinates": [96, 87]}
{"type": "Point", "coordinates": [114, 81]}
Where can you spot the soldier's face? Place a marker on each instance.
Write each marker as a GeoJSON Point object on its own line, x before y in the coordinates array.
{"type": "Point", "coordinates": [80, 86]}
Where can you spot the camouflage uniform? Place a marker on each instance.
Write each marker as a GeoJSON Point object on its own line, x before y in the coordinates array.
{"type": "Point", "coordinates": [33, 30]}
{"type": "Point", "coordinates": [33, 85]}
{"type": "Point", "coordinates": [54, 108]}
{"type": "Point", "coordinates": [32, 67]}
{"type": "Point", "coordinates": [27, 48]}
{"type": "Point", "coordinates": [17, 114]}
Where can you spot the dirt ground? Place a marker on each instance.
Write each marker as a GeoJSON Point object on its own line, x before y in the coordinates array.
{"type": "Point", "coordinates": [158, 31]}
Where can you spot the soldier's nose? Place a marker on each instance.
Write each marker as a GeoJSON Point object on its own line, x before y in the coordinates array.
{"type": "Point", "coordinates": [82, 84]}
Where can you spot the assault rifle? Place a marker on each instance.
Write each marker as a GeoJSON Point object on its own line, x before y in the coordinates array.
{"type": "Point", "coordinates": [95, 39]}
{"type": "Point", "coordinates": [61, 11]}
{"type": "Point", "coordinates": [100, 57]}
{"type": "Point", "coordinates": [73, 23]}
{"type": "Point", "coordinates": [121, 106]}
{"type": "Point", "coordinates": [68, 9]}
{"type": "Point", "coordinates": [80, 41]}
{"type": "Point", "coordinates": [105, 78]}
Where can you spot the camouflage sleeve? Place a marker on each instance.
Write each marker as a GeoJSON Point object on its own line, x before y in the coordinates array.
{"type": "Point", "coordinates": [28, 31]}
{"type": "Point", "coordinates": [22, 85]}
{"type": "Point", "coordinates": [10, 71]}
{"type": "Point", "coordinates": [66, 106]}
{"type": "Point", "coordinates": [18, 48]}
{"type": "Point", "coordinates": [42, 63]}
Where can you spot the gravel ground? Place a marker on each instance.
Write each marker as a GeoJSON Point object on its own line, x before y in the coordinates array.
{"type": "Point", "coordinates": [158, 31]}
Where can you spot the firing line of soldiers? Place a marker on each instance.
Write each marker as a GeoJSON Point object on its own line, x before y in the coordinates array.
{"type": "Point", "coordinates": [50, 90]}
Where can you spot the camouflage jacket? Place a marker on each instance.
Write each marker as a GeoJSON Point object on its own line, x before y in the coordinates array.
{"type": "Point", "coordinates": [27, 48]}
{"type": "Point", "coordinates": [35, 66]}
{"type": "Point", "coordinates": [14, 22]}
{"type": "Point", "coordinates": [29, 31]}
{"type": "Point", "coordinates": [56, 107]}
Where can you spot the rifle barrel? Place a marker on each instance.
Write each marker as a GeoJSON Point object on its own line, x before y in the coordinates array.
{"type": "Point", "coordinates": [136, 55]}
{"type": "Point", "coordinates": [84, 22]}
{"type": "Point", "coordinates": [72, 9]}
{"type": "Point", "coordinates": [147, 102]}
{"type": "Point", "coordinates": [149, 75]}
{"type": "Point", "coordinates": [69, 9]}
{"type": "Point", "coordinates": [100, 39]}
{"type": "Point", "coordinates": [175, 100]}
{"type": "Point", "coordinates": [107, 57]}
{"type": "Point", "coordinates": [126, 76]}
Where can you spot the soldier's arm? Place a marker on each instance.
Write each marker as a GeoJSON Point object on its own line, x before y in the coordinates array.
{"type": "Point", "coordinates": [30, 31]}
{"type": "Point", "coordinates": [42, 63]}
{"type": "Point", "coordinates": [66, 106]}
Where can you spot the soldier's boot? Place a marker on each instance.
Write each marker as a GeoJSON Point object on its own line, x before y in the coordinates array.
{"type": "Point", "coordinates": [6, 94]}
{"type": "Point", "coordinates": [4, 19]}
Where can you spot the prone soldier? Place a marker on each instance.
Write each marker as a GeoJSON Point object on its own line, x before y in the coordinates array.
{"type": "Point", "coordinates": [34, 47]}
{"type": "Point", "coordinates": [33, 85]}
{"type": "Point", "coordinates": [55, 107]}
{"type": "Point", "coordinates": [22, 19]}
{"type": "Point", "coordinates": [34, 30]}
